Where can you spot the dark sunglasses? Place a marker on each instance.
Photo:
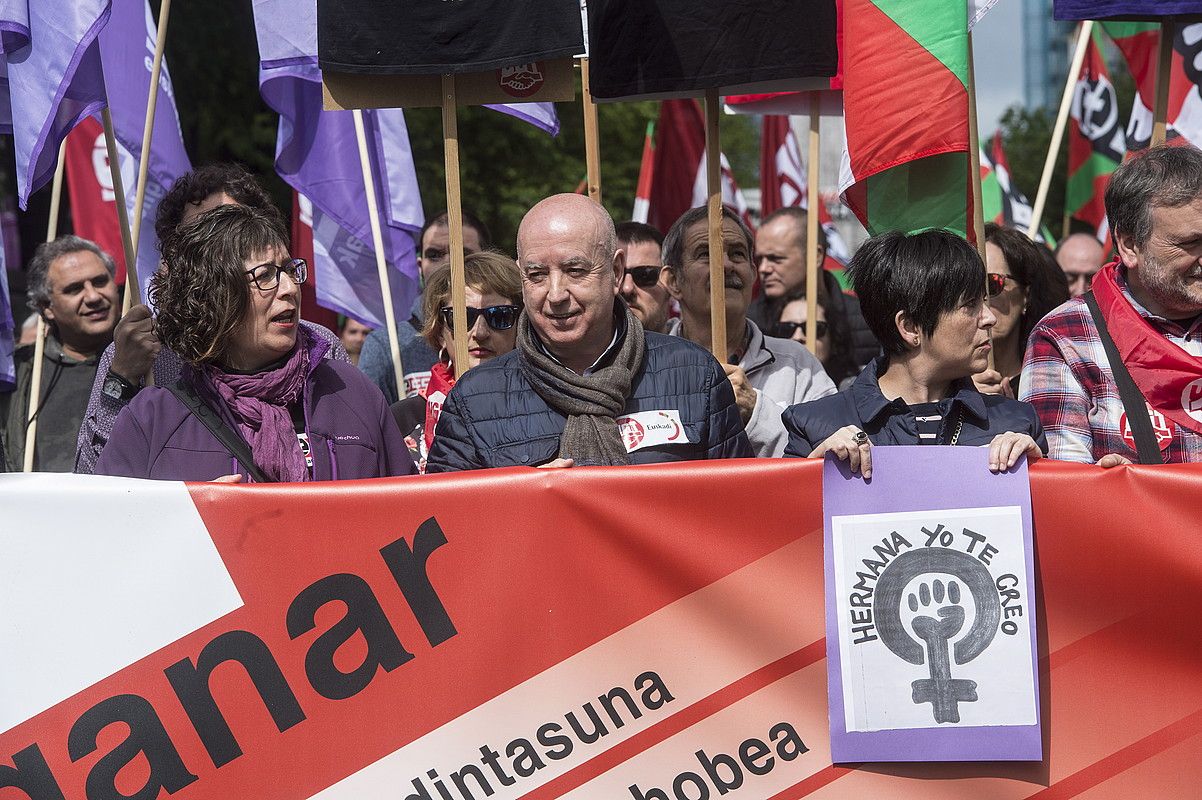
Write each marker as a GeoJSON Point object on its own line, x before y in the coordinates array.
{"type": "Point", "coordinates": [785, 330]}
{"type": "Point", "coordinates": [267, 276]}
{"type": "Point", "coordinates": [499, 318]}
{"type": "Point", "coordinates": [995, 283]}
{"type": "Point", "coordinates": [643, 277]}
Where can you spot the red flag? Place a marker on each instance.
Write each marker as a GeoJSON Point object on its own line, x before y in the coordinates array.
{"type": "Point", "coordinates": [642, 194]}
{"type": "Point", "coordinates": [679, 166]}
{"type": "Point", "coordinates": [90, 188]}
{"type": "Point", "coordinates": [302, 247]}
{"type": "Point", "coordinates": [783, 183]}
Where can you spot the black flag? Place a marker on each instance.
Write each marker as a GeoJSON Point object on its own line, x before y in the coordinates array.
{"type": "Point", "coordinates": [425, 37]}
{"type": "Point", "coordinates": [674, 47]}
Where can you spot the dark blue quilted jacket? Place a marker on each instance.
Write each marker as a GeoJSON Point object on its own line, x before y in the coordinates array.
{"type": "Point", "coordinates": [493, 418]}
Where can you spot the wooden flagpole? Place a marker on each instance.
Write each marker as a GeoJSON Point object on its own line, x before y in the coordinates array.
{"type": "Point", "coordinates": [592, 143]}
{"type": "Point", "coordinates": [132, 287]}
{"type": "Point", "coordinates": [377, 238]}
{"type": "Point", "coordinates": [127, 245]}
{"type": "Point", "coordinates": [1164, 69]}
{"type": "Point", "coordinates": [1066, 102]}
{"type": "Point", "coordinates": [39, 347]}
{"type": "Point", "coordinates": [450, 140]}
{"type": "Point", "coordinates": [717, 252]}
{"type": "Point", "coordinates": [812, 215]}
{"type": "Point", "coordinates": [974, 167]}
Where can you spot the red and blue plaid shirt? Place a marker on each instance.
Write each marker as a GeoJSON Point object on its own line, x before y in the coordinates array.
{"type": "Point", "coordinates": [1067, 377]}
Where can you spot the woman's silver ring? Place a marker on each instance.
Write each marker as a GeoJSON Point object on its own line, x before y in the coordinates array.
{"type": "Point", "coordinates": [860, 437]}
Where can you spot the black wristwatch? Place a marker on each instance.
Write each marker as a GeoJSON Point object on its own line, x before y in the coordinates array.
{"type": "Point", "coordinates": [118, 388]}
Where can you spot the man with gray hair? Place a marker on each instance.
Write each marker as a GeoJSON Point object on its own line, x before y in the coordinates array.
{"type": "Point", "coordinates": [585, 384]}
{"type": "Point", "coordinates": [767, 374]}
{"type": "Point", "coordinates": [1116, 374]}
{"type": "Point", "coordinates": [71, 285]}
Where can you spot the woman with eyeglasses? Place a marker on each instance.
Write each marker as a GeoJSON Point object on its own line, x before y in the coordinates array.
{"type": "Point", "coordinates": [1024, 284]}
{"type": "Point", "coordinates": [833, 347]}
{"type": "Point", "coordinates": [256, 399]}
{"type": "Point", "coordinates": [494, 301]}
{"type": "Point", "coordinates": [924, 297]}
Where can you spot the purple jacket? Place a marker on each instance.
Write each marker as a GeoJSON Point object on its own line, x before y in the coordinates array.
{"type": "Point", "coordinates": [351, 432]}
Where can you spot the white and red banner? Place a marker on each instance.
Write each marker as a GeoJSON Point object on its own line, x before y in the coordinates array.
{"type": "Point", "coordinates": [644, 632]}
{"type": "Point", "coordinates": [90, 188]}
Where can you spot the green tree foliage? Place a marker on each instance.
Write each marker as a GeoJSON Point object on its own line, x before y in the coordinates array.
{"type": "Point", "coordinates": [1026, 134]}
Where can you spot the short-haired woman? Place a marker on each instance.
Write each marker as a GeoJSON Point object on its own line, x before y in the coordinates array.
{"type": "Point", "coordinates": [256, 399]}
{"type": "Point", "coordinates": [924, 297]}
{"type": "Point", "coordinates": [494, 302]}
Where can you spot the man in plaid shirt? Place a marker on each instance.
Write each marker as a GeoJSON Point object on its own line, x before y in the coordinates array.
{"type": "Point", "coordinates": [1154, 203]}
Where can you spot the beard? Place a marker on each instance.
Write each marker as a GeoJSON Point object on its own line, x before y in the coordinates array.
{"type": "Point", "coordinates": [1173, 291]}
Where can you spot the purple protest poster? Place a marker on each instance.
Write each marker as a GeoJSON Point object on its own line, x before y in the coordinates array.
{"type": "Point", "coordinates": [930, 609]}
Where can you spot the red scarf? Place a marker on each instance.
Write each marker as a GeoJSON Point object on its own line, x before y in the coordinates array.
{"type": "Point", "coordinates": [1169, 378]}
{"type": "Point", "coordinates": [441, 383]}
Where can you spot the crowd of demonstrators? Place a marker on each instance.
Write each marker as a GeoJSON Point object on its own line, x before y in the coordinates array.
{"type": "Point", "coordinates": [136, 348]}
{"type": "Point", "coordinates": [352, 333]}
{"type": "Point", "coordinates": [494, 300]}
{"type": "Point", "coordinates": [1080, 256]}
{"type": "Point", "coordinates": [72, 286]}
{"type": "Point", "coordinates": [1024, 284]}
{"type": "Point", "coordinates": [257, 398]}
{"type": "Point", "coordinates": [767, 374]}
{"type": "Point", "coordinates": [1115, 374]}
{"type": "Point", "coordinates": [641, 287]}
{"type": "Point", "coordinates": [592, 348]}
{"type": "Point", "coordinates": [582, 360]}
{"type": "Point", "coordinates": [924, 296]}
{"type": "Point", "coordinates": [417, 356]}
{"type": "Point", "coordinates": [780, 247]}
{"type": "Point", "coordinates": [833, 345]}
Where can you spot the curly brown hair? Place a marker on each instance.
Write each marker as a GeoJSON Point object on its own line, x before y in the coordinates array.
{"type": "Point", "coordinates": [202, 293]}
{"type": "Point", "coordinates": [486, 271]}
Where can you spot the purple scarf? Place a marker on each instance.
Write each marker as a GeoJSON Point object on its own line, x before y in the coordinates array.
{"type": "Point", "coordinates": [259, 405]}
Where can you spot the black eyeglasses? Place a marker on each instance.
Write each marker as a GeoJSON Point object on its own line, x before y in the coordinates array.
{"type": "Point", "coordinates": [267, 276]}
{"type": "Point", "coordinates": [785, 330]}
{"type": "Point", "coordinates": [995, 283]}
{"type": "Point", "coordinates": [499, 318]}
{"type": "Point", "coordinates": [643, 277]}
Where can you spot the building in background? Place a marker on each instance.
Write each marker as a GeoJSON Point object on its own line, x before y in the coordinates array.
{"type": "Point", "coordinates": [1045, 48]}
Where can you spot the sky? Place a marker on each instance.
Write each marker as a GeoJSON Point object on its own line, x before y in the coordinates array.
{"type": "Point", "coordinates": [997, 50]}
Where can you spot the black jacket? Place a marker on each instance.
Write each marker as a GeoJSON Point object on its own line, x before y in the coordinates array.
{"type": "Point", "coordinates": [891, 422]}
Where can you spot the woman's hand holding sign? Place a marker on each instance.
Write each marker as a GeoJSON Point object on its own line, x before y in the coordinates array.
{"type": "Point", "coordinates": [848, 444]}
{"type": "Point", "coordinates": [1006, 448]}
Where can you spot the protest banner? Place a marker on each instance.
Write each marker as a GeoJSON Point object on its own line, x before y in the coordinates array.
{"type": "Point", "coordinates": [642, 632]}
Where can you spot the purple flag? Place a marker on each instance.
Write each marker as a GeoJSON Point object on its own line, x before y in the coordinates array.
{"type": "Point", "coordinates": [127, 49]}
{"type": "Point", "coordinates": [54, 79]}
{"type": "Point", "coordinates": [540, 115]}
{"type": "Point", "coordinates": [1125, 9]}
{"type": "Point", "coordinates": [8, 373]}
{"type": "Point", "coordinates": [318, 155]}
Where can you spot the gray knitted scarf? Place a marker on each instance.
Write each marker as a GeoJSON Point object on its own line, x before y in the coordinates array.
{"type": "Point", "coordinates": [590, 402]}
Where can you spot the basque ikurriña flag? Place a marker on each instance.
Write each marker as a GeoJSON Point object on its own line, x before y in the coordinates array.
{"type": "Point", "coordinates": [54, 79]}
{"type": "Point", "coordinates": [1096, 144]}
{"type": "Point", "coordinates": [905, 97]}
{"type": "Point", "coordinates": [642, 193]}
{"type": "Point", "coordinates": [127, 50]}
{"type": "Point", "coordinates": [680, 166]}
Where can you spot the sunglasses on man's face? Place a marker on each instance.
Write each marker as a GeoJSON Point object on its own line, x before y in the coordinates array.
{"type": "Point", "coordinates": [643, 277]}
{"type": "Point", "coordinates": [785, 330]}
{"type": "Point", "coordinates": [499, 318]}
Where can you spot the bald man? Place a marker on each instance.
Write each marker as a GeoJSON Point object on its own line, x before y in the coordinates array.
{"type": "Point", "coordinates": [1080, 255]}
{"type": "Point", "coordinates": [585, 385]}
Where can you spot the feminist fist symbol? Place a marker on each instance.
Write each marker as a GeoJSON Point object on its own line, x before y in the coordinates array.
{"type": "Point", "coordinates": [941, 690]}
